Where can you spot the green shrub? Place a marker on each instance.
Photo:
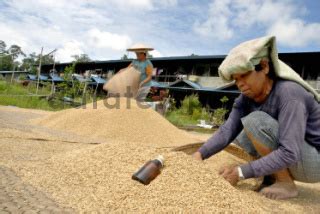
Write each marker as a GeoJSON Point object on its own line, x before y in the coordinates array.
{"type": "Point", "coordinates": [190, 103]}
{"type": "Point", "coordinates": [219, 114]}
{"type": "Point", "coordinates": [189, 113]}
{"type": "Point", "coordinates": [196, 115]}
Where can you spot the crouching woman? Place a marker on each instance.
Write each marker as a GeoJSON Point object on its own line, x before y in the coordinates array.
{"type": "Point", "coordinates": [276, 119]}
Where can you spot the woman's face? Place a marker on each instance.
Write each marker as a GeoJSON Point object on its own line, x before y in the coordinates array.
{"type": "Point", "coordinates": [253, 83]}
{"type": "Point", "coordinates": [141, 56]}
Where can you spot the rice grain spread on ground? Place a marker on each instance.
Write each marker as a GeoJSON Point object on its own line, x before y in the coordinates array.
{"type": "Point", "coordinates": [91, 170]}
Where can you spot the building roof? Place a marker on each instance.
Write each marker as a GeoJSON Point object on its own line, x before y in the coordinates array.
{"type": "Point", "coordinates": [55, 78]}
{"type": "Point", "coordinates": [157, 84]}
{"type": "Point", "coordinates": [43, 78]}
{"type": "Point", "coordinates": [9, 72]}
{"type": "Point", "coordinates": [185, 84]}
{"type": "Point", "coordinates": [98, 80]}
{"type": "Point", "coordinates": [195, 57]}
{"type": "Point", "coordinates": [32, 77]}
{"type": "Point", "coordinates": [79, 78]}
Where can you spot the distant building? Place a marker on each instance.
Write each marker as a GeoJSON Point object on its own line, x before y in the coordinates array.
{"type": "Point", "coordinates": [202, 70]}
{"type": "Point", "coordinates": [199, 74]}
{"type": "Point", "coordinates": [8, 75]}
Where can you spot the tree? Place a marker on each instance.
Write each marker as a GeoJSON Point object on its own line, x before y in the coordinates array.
{"type": "Point", "coordinates": [81, 58]}
{"type": "Point", "coordinates": [124, 57]}
{"type": "Point", "coordinates": [46, 59]}
{"type": "Point", "coordinates": [29, 63]}
{"type": "Point", "coordinates": [3, 47]}
{"type": "Point", "coordinates": [8, 57]}
{"type": "Point", "coordinates": [15, 51]}
{"type": "Point", "coordinates": [6, 62]}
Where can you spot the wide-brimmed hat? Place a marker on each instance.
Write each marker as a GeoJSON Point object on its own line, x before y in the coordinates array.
{"type": "Point", "coordinates": [139, 47]}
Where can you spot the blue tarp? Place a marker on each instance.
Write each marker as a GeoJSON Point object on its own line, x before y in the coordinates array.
{"type": "Point", "coordinates": [43, 78]}
{"type": "Point", "coordinates": [158, 84]}
{"type": "Point", "coordinates": [32, 77]}
{"type": "Point", "coordinates": [79, 78]}
{"type": "Point", "coordinates": [185, 84]}
{"type": "Point", "coordinates": [98, 80]}
{"type": "Point", "coordinates": [55, 78]}
{"type": "Point", "coordinates": [35, 77]}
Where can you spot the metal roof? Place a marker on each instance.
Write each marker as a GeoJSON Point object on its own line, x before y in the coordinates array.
{"type": "Point", "coordinates": [43, 77]}
{"type": "Point", "coordinates": [172, 58]}
{"type": "Point", "coordinates": [157, 84]}
{"type": "Point", "coordinates": [55, 78]}
{"type": "Point", "coordinates": [9, 72]}
{"type": "Point", "coordinates": [32, 77]}
{"type": "Point", "coordinates": [79, 77]}
{"type": "Point", "coordinates": [187, 82]}
{"type": "Point", "coordinates": [98, 80]}
{"type": "Point", "coordinates": [202, 90]}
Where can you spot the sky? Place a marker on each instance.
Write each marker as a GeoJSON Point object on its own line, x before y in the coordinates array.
{"type": "Point", "coordinates": [103, 29]}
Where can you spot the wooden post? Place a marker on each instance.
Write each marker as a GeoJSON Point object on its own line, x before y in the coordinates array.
{"type": "Point", "coordinates": [53, 88]}
{"type": "Point", "coordinates": [12, 75]}
{"type": "Point", "coordinates": [39, 70]}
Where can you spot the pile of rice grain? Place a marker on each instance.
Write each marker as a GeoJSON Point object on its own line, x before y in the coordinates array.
{"type": "Point", "coordinates": [129, 123]}
{"type": "Point", "coordinates": [99, 179]}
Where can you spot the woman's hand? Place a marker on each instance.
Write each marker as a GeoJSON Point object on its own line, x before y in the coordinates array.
{"type": "Point", "coordinates": [197, 156]}
{"type": "Point", "coordinates": [230, 173]}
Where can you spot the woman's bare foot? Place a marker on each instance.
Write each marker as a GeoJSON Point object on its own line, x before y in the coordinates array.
{"type": "Point", "coordinates": [280, 190]}
{"type": "Point", "coordinates": [268, 180]}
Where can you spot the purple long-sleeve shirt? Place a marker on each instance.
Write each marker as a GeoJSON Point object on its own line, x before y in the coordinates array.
{"type": "Point", "coordinates": [298, 115]}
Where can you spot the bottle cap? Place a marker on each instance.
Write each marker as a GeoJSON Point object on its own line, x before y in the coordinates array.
{"type": "Point", "coordinates": [160, 158]}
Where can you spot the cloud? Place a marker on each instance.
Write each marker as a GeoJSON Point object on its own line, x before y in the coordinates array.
{"type": "Point", "coordinates": [101, 30]}
{"type": "Point", "coordinates": [283, 19]}
{"type": "Point", "coordinates": [104, 39]}
{"type": "Point", "coordinates": [156, 53]}
{"type": "Point", "coordinates": [296, 33]}
{"type": "Point", "coordinates": [217, 24]}
{"type": "Point", "coordinates": [69, 49]}
{"type": "Point", "coordinates": [167, 3]}
{"type": "Point", "coordinates": [141, 4]}
{"type": "Point", "coordinates": [130, 5]}
{"type": "Point", "coordinates": [104, 29]}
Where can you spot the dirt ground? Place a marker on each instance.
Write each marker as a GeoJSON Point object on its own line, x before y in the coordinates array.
{"type": "Point", "coordinates": [45, 169]}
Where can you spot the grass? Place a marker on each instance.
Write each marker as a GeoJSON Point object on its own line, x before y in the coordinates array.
{"type": "Point", "coordinates": [27, 102]}
{"type": "Point", "coordinates": [178, 119]}
{"type": "Point", "coordinates": [191, 111]}
{"type": "Point", "coordinates": [24, 97]}
{"type": "Point", "coordinates": [186, 122]}
{"type": "Point", "coordinates": [17, 89]}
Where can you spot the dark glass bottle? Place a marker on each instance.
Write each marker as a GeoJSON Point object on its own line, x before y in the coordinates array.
{"type": "Point", "coordinates": [149, 171]}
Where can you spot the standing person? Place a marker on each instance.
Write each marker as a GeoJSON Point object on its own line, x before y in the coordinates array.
{"type": "Point", "coordinates": [144, 66]}
{"type": "Point", "coordinates": [276, 119]}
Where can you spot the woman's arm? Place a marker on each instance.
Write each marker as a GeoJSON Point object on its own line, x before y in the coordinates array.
{"type": "Point", "coordinates": [225, 134]}
{"type": "Point", "coordinates": [149, 70]}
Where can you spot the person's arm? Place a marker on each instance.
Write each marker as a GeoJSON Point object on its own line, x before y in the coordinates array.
{"type": "Point", "coordinates": [149, 70]}
{"type": "Point", "coordinates": [292, 125]}
{"type": "Point", "coordinates": [225, 134]}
